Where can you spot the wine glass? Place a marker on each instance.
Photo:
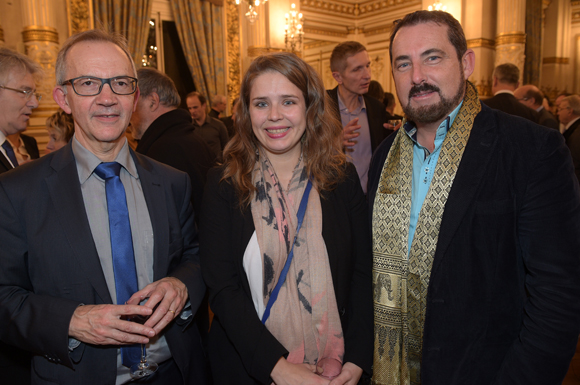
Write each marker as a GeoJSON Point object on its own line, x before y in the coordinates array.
{"type": "Point", "coordinates": [144, 368]}
{"type": "Point", "coordinates": [331, 368]}
{"type": "Point", "coordinates": [394, 123]}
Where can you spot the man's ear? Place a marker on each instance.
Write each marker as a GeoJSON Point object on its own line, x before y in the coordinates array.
{"type": "Point", "coordinates": [153, 101]}
{"type": "Point", "coordinates": [60, 97]}
{"type": "Point", "coordinates": [468, 63]}
{"type": "Point", "coordinates": [337, 77]}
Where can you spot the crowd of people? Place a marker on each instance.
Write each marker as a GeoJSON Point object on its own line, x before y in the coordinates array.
{"type": "Point", "coordinates": [312, 237]}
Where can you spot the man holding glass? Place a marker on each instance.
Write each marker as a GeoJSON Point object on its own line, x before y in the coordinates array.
{"type": "Point", "coordinates": [94, 236]}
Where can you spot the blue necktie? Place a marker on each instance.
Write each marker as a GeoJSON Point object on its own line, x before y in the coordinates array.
{"type": "Point", "coordinates": [121, 246]}
{"type": "Point", "coordinates": [10, 152]}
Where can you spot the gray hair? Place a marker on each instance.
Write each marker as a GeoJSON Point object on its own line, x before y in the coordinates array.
{"type": "Point", "coordinates": [152, 80]}
{"type": "Point", "coordinates": [14, 61]}
{"type": "Point", "coordinates": [574, 102]}
{"type": "Point", "coordinates": [98, 35]}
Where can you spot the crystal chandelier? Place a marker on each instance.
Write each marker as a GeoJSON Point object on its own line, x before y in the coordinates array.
{"type": "Point", "coordinates": [252, 14]}
{"type": "Point", "coordinates": [293, 30]}
{"type": "Point", "coordinates": [437, 6]}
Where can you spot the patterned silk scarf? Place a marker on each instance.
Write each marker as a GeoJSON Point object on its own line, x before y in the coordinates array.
{"type": "Point", "coordinates": [400, 283]}
{"type": "Point", "coordinates": [305, 317]}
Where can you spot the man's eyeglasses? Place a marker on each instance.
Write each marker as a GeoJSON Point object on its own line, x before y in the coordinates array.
{"type": "Point", "coordinates": [27, 93]}
{"type": "Point", "coordinates": [90, 86]}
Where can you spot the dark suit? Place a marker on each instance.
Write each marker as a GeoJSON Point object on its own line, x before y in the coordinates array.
{"type": "Point", "coordinates": [509, 104]}
{"type": "Point", "coordinates": [214, 113]}
{"type": "Point", "coordinates": [50, 266]}
{"type": "Point", "coordinates": [242, 351]}
{"type": "Point", "coordinates": [170, 139]}
{"type": "Point", "coordinates": [503, 303]}
{"type": "Point", "coordinates": [31, 148]}
{"type": "Point", "coordinates": [546, 119]}
{"type": "Point", "coordinates": [376, 114]}
{"type": "Point", "coordinates": [14, 362]}
{"type": "Point", "coordinates": [572, 137]}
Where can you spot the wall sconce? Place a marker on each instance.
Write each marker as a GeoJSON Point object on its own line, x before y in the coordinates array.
{"type": "Point", "coordinates": [293, 30]}
{"type": "Point", "coordinates": [437, 6]}
{"type": "Point", "coordinates": [252, 14]}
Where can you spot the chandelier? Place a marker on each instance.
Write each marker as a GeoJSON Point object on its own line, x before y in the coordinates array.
{"type": "Point", "coordinates": [293, 30]}
{"type": "Point", "coordinates": [437, 6]}
{"type": "Point", "coordinates": [252, 14]}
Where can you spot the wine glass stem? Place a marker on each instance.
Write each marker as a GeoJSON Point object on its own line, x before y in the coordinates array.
{"type": "Point", "coordinates": [143, 356]}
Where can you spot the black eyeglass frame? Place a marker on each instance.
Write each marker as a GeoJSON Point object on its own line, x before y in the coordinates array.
{"type": "Point", "coordinates": [27, 93]}
{"type": "Point", "coordinates": [103, 82]}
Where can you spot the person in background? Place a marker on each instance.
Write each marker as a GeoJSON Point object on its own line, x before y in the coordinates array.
{"type": "Point", "coordinates": [60, 127]}
{"type": "Point", "coordinates": [287, 141]}
{"type": "Point", "coordinates": [531, 96]}
{"type": "Point", "coordinates": [18, 97]}
{"type": "Point", "coordinates": [363, 118]}
{"type": "Point", "coordinates": [230, 120]}
{"type": "Point", "coordinates": [569, 116]}
{"type": "Point", "coordinates": [211, 130]}
{"type": "Point", "coordinates": [375, 90]}
{"type": "Point", "coordinates": [390, 104]}
{"type": "Point", "coordinates": [218, 106]}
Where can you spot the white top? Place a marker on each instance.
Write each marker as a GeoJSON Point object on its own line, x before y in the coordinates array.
{"type": "Point", "coordinates": [253, 268]}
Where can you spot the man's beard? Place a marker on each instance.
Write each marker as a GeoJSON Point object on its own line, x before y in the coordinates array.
{"type": "Point", "coordinates": [434, 112]}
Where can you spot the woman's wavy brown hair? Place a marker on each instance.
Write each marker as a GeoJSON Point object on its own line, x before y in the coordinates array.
{"type": "Point", "coordinates": [322, 139]}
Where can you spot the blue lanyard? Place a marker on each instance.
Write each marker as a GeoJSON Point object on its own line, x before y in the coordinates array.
{"type": "Point", "coordinates": [300, 216]}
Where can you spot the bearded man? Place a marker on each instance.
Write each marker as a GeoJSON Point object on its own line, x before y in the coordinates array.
{"type": "Point", "coordinates": [475, 264]}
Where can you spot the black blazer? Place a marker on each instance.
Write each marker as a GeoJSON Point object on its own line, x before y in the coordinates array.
{"type": "Point", "coordinates": [50, 266]}
{"type": "Point", "coordinates": [503, 304]}
{"type": "Point", "coordinates": [546, 119]}
{"type": "Point", "coordinates": [170, 139]}
{"type": "Point", "coordinates": [509, 104]}
{"type": "Point", "coordinates": [572, 136]}
{"type": "Point", "coordinates": [32, 149]}
{"type": "Point", "coordinates": [376, 114]}
{"type": "Point", "coordinates": [241, 349]}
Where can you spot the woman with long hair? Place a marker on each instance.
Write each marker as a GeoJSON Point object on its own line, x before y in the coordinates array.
{"type": "Point", "coordinates": [284, 239]}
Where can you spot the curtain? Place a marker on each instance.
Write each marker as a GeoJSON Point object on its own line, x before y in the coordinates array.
{"type": "Point", "coordinates": [533, 51]}
{"type": "Point", "coordinates": [200, 28]}
{"type": "Point", "coordinates": [127, 17]}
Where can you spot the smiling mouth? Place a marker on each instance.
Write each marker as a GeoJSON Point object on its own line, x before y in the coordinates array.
{"type": "Point", "coordinates": [277, 130]}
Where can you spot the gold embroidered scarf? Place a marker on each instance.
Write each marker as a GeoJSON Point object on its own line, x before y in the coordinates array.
{"type": "Point", "coordinates": [400, 283]}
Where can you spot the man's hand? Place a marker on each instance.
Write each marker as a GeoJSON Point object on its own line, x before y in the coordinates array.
{"type": "Point", "coordinates": [349, 375]}
{"type": "Point", "coordinates": [348, 133]}
{"type": "Point", "coordinates": [168, 294]}
{"type": "Point", "coordinates": [102, 325]}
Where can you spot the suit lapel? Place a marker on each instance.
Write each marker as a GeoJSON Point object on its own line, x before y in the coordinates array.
{"type": "Point", "coordinates": [156, 205]}
{"type": "Point", "coordinates": [479, 151]}
{"type": "Point", "coordinates": [65, 192]}
{"type": "Point", "coordinates": [4, 161]}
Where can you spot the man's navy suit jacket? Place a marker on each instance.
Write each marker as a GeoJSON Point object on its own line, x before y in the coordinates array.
{"type": "Point", "coordinates": [50, 266]}
{"type": "Point", "coordinates": [503, 303]}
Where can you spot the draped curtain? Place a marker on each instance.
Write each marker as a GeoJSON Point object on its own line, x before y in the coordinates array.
{"type": "Point", "coordinates": [533, 63]}
{"type": "Point", "coordinates": [127, 17]}
{"type": "Point", "coordinates": [200, 27]}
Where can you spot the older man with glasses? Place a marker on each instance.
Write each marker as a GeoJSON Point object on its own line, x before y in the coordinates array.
{"type": "Point", "coordinates": [95, 236]}
{"type": "Point", "coordinates": [18, 97]}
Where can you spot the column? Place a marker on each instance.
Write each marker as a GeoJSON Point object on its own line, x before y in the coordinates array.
{"type": "Point", "coordinates": [41, 43]}
{"type": "Point", "coordinates": [556, 72]}
{"type": "Point", "coordinates": [480, 34]}
{"type": "Point", "coordinates": [510, 40]}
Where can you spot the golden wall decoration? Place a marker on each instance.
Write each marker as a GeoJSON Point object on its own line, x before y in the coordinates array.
{"type": "Point", "coordinates": [556, 60]}
{"type": "Point", "coordinates": [80, 15]}
{"type": "Point", "coordinates": [354, 9]}
{"type": "Point", "coordinates": [233, 48]}
{"type": "Point", "coordinates": [257, 51]}
{"type": "Point", "coordinates": [326, 32]}
{"type": "Point", "coordinates": [39, 33]}
{"type": "Point", "coordinates": [507, 38]}
{"type": "Point", "coordinates": [1, 34]}
{"type": "Point", "coordinates": [481, 43]}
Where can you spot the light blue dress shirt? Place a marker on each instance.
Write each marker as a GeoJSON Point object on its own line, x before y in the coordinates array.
{"type": "Point", "coordinates": [424, 164]}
